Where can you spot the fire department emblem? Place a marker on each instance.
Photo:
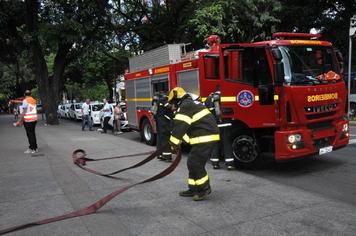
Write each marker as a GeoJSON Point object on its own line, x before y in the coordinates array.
{"type": "Point", "coordinates": [245, 98]}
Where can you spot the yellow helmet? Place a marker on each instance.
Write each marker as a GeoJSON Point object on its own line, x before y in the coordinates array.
{"type": "Point", "coordinates": [176, 94]}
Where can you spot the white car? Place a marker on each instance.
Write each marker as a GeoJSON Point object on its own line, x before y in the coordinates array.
{"type": "Point", "coordinates": [63, 111]}
{"type": "Point", "coordinates": [95, 109]}
{"type": "Point", "coordinates": [75, 111]}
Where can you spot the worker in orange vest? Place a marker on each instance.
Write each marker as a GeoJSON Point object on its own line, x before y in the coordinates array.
{"type": "Point", "coordinates": [29, 119]}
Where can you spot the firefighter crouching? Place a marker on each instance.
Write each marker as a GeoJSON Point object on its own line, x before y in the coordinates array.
{"type": "Point", "coordinates": [222, 149]}
{"type": "Point", "coordinates": [163, 115]}
{"type": "Point", "coordinates": [194, 124]}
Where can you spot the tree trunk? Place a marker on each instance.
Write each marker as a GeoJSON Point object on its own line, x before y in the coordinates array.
{"type": "Point", "coordinates": [109, 84]}
{"type": "Point", "coordinates": [48, 86]}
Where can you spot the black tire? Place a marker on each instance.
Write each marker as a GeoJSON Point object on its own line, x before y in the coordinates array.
{"type": "Point", "coordinates": [245, 150]}
{"type": "Point", "coordinates": [147, 134]}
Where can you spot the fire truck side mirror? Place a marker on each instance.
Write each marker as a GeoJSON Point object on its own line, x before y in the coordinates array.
{"type": "Point", "coordinates": [279, 73]}
{"type": "Point", "coordinates": [277, 55]}
{"type": "Point", "coordinates": [340, 60]}
{"type": "Point", "coordinates": [278, 66]}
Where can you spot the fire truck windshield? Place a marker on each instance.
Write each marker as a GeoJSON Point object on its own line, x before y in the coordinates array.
{"type": "Point", "coordinates": [306, 64]}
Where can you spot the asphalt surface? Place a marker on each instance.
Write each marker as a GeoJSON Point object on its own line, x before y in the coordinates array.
{"type": "Point", "coordinates": [314, 196]}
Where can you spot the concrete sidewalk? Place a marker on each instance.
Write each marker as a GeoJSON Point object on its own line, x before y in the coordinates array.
{"type": "Point", "coordinates": [46, 185]}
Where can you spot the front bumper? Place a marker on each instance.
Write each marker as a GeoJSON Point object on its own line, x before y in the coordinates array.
{"type": "Point", "coordinates": [313, 141]}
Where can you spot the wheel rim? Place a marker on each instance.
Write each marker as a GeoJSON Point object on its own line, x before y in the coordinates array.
{"type": "Point", "coordinates": [147, 132]}
{"type": "Point", "coordinates": [245, 149]}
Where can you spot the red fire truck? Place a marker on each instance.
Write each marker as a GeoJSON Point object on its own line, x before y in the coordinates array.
{"type": "Point", "coordinates": [283, 97]}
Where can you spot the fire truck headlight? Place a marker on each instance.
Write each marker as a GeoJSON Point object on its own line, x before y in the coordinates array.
{"type": "Point", "coordinates": [294, 138]}
{"type": "Point", "coordinates": [345, 131]}
{"type": "Point", "coordinates": [345, 128]}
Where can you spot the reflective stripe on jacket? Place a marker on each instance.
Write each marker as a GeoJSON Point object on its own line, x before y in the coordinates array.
{"type": "Point", "coordinates": [194, 124]}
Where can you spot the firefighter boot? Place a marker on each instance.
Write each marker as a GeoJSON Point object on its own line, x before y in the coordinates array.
{"type": "Point", "coordinates": [215, 164]}
{"type": "Point", "coordinates": [186, 193]}
{"type": "Point", "coordinates": [167, 157]}
{"type": "Point", "coordinates": [199, 196]}
{"type": "Point", "coordinates": [230, 165]}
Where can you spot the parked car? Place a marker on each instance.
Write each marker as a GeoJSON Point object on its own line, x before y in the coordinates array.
{"type": "Point", "coordinates": [63, 111]}
{"type": "Point", "coordinates": [95, 109]}
{"type": "Point", "coordinates": [75, 111]}
{"type": "Point", "coordinates": [123, 121]}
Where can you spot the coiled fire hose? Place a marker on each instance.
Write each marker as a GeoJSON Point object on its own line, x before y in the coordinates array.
{"type": "Point", "coordinates": [80, 159]}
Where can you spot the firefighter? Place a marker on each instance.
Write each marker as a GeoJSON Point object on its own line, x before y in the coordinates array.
{"type": "Point", "coordinates": [221, 149]}
{"type": "Point", "coordinates": [194, 124]}
{"type": "Point", "coordinates": [163, 115]}
{"type": "Point", "coordinates": [29, 118]}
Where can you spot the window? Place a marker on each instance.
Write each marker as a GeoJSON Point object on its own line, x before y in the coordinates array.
{"type": "Point", "coordinates": [263, 72]}
{"type": "Point", "coordinates": [160, 86]}
{"type": "Point", "coordinates": [211, 67]}
{"type": "Point", "coordinates": [248, 65]}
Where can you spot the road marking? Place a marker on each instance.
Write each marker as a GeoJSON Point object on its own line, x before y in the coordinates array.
{"type": "Point", "coordinates": [353, 135]}
{"type": "Point", "coordinates": [352, 141]}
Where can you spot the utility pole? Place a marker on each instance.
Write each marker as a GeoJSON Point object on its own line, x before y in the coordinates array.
{"type": "Point", "coordinates": [352, 34]}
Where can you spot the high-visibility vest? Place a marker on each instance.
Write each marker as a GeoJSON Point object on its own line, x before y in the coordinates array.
{"type": "Point", "coordinates": [31, 113]}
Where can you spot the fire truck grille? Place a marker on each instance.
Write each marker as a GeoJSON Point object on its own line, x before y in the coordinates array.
{"type": "Point", "coordinates": [320, 125]}
{"type": "Point", "coordinates": [322, 115]}
{"type": "Point", "coordinates": [320, 111]}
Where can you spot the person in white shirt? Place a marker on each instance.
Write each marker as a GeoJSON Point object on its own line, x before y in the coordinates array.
{"type": "Point", "coordinates": [86, 119]}
{"type": "Point", "coordinates": [107, 110]}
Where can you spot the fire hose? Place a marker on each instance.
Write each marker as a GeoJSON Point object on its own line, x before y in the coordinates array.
{"type": "Point", "coordinates": [80, 159]}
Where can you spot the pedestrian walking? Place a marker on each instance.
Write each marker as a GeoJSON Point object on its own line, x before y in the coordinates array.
{"type": "Point", "coordinates": [86, 119]}
{"type": "Point", "coordinates": [195, 124]}
{"type": "Point", "coordinates": [117, 119]}
{"type": "Point", "coordinates": [16, 112]}
{"type": "Point", "coordinates": [163, 116]}
{"type": "Point", "coordinates": [29, 119]}
{"type": "Point", "coordinates": [107, 112]}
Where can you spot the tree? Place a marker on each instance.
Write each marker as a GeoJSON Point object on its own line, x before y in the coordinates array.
{"type": "Point", "coordinates": [63, 28]}
{"type": "Point", "coordinates": [333, 17]}
{"type": "Point", "coordinates": [236, 21]}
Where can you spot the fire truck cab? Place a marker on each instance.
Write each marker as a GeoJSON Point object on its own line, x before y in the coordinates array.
{"type": "Point", "coordinates": [284, 97]}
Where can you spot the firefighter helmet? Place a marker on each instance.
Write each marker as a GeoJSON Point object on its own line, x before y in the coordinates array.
{"type": "Point", "coordinates": [176, 94]}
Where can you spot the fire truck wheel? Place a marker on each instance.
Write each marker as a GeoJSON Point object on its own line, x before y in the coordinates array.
{"type": "Point", "coordinates": [245, 149]}
{"type": "Point", "coordinates": [147, 134]}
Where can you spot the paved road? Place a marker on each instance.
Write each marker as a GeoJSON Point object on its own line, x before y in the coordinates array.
{"type": "Point", "coordinates": [315, 196]}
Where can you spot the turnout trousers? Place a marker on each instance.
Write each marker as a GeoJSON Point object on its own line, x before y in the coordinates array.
{"type": "Point", "coordinates": [198, 156]}
{"type": "Point", "coordinates": [30, 128]}
{"type": "Point", "coordinates": [163, 127]}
